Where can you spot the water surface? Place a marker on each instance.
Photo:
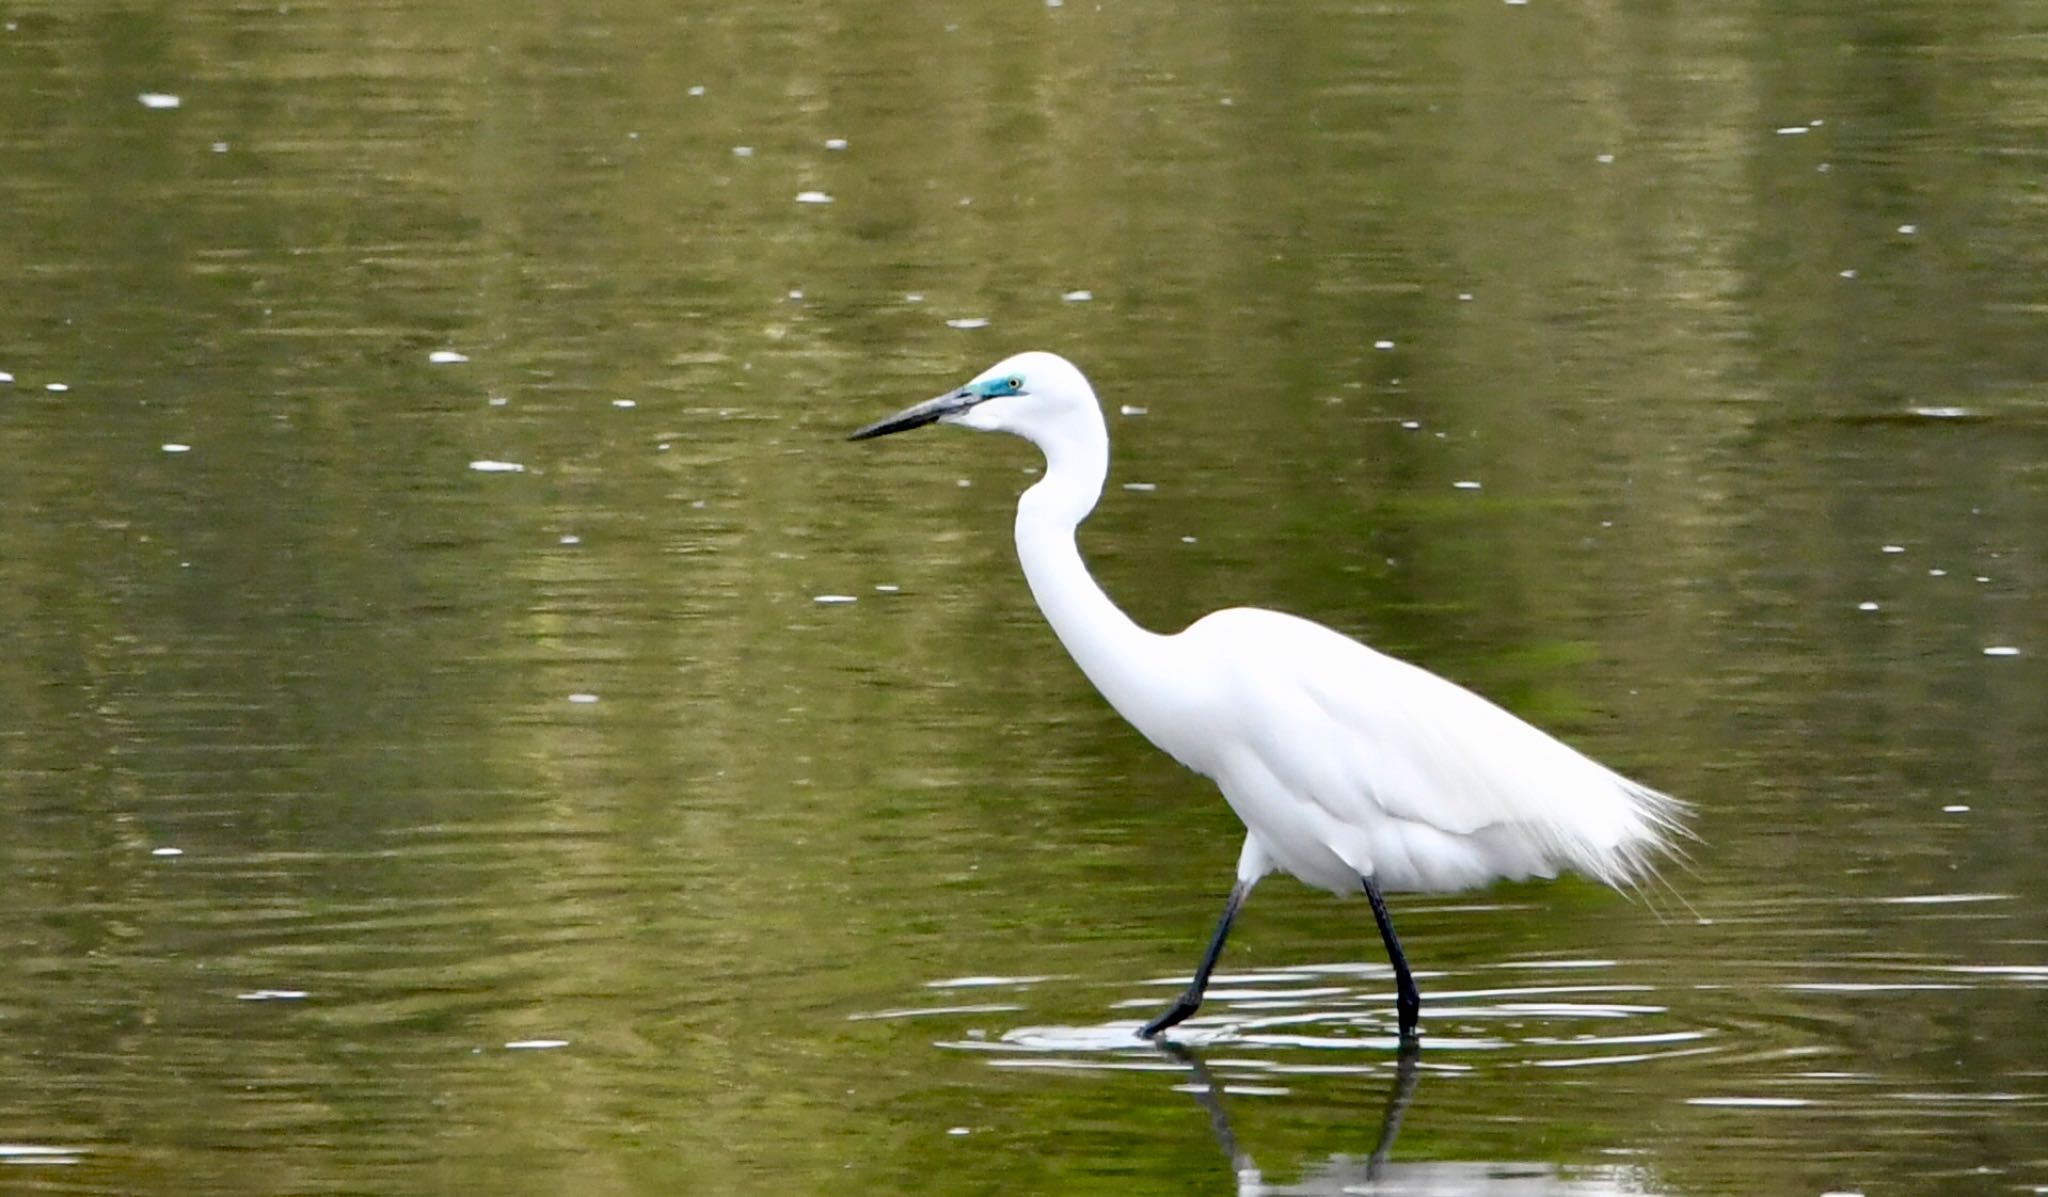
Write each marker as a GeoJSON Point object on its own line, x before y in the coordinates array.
{"type": "Point", "coordinates": [427, 765]}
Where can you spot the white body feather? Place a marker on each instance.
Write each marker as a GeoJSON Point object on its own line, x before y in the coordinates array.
{"type": "Point", "coordinates": [1343, 763]}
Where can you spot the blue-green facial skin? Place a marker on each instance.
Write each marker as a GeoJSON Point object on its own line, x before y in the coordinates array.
{"type": "Point", "coordinates": [996, 388]}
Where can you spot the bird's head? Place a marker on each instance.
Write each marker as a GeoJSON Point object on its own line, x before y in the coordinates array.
{"type": "Point", "coordinates": [1038, 396]}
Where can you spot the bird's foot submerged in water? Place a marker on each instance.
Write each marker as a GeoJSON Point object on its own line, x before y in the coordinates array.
{"type": "Point", "coordinates": [1182, 1009]}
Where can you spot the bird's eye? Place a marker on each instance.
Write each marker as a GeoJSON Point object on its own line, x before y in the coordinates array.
{"type": "Point", "coordinates": [1014, 383]}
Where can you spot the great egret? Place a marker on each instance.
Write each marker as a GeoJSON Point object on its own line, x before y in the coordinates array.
{"type": "Point", "coordinates": [1351, 770]}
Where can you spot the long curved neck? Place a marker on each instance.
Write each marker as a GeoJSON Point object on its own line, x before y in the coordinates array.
{"type": "Point", "coordinates": [1110, 648]}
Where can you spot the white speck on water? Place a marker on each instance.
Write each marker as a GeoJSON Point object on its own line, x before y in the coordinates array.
{"type": "Point", "coordinates": [1411, 425]}
{"type": "Point", "coordinates": [1937, 573]}
{"type": "Point", "coordinates": [159, 99]}
{"type": "Point", "coordinates": [968, 322]}
{"type": "Point", "coordinates": [582, 698]}
{"type": "Point", "coordinates": [1909, 229]}
{"type": "Point", "coordinates": [447, 357]}
{"type": "Point", "coordinates": [220, 147]}
{"type": "Point", "coordinates": [1955, 808]}
{"type": "Point", "coordinates": [1815, 124]}
{"type": "Point", "coordinates": [743, 151]}
{"type": "Point", "coordinates": [498, 401]}
{"type": "Point", "coordinates": [272, 995]}
{"type": "Point", "coordinates": [1187, 540]}
{"type": "Point", "coordinates": [1141, 486]}
{"type": "Point", "coordinates": [813, 197]}
{"type": "Point", "coordinates": [572, 538]}
{"type": "Point", "coordinates": [1382, 344]}
{"type": "Point", "coordinates": [796, 293]}
{"type": "Point", "coordinates": [624, 403]}
{"type": "Point", "coordinates": [832, 600]}
{"type": "Point", "coordinates": [1464, 297]}
{"type": "Point", "coordinates": [1792, 130]}
{"type": "Point", "coordinates": [1466, 484]}
{"type": "Point", "coordinates": [58, 387]}
{"type": "Point", "coordinates": [1762, 1102]}
{"type": "Point", "coordinates": [167, 852]}
{"type": "Point", "coordinates": [1866, 605]}
{"type": "Point", "coordinates": [1982, 578]}
{"type": "Point", "coordinates": [1131, 409]}
{"type": "Point", "coordinates": [6, 377]}
{"type": "Point", "coordinates": [961, 1130]}
{"type": "Point", "coordinates": [2002, 650]}
{"type": "Point", "coordinates": [835, 143]}
{"type": "Point", "coordinates": [175, 447]}
{"type": "Point", "coordinates": [697, 89]}
{"type": "Point", "coordinates": [1604, 159]}
{"type": "Point", "coordinates": [1941, 413]}
{"type": "Point", "coordinates": [887, 588]}
{"type": "Point", "coordinates": [30, 1153]}
{"type": "Point", "coordinates": [497, 467]}
{"type": "Point", "coordinates": [1895, 548]}
{"type": "Point", "coordinates": [535, 1045]}
{"type": "Point", "coordinates": [663, 447]}
{"type": "Point", "coordinates": [913, 297]}
{"type": "Point", "coordinates": [964, 483]}
{"type": "Point", "coordinates": [1078, 296]}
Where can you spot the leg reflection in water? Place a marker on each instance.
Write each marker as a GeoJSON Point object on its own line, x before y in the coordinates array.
{"type": "Point", "coordinates": [1210, 1094]}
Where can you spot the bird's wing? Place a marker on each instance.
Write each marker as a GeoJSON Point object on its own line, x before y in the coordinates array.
{"type": "Point", "coordinates": [1366, 736]}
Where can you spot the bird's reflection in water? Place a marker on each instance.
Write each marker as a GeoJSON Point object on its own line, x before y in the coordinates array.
{"type": "Point", "coordinates": [1344, 1175]}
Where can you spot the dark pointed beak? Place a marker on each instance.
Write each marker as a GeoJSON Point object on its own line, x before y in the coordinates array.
{"type": "Point", "coordinates": [920, 415]}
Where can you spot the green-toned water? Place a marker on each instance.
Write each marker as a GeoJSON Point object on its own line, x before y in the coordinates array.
{"type": "Point", "coordinates": [378, 823]}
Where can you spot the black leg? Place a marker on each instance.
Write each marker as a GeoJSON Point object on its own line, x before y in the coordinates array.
{"type": "Point", "coordinates": [1406, 1000]}
{"type": "Point", "coordinates": [1191, 1001]}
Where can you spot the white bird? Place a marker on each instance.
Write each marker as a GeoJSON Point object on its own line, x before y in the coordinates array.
{"type": "Point", "coordinates": [1350, 770]}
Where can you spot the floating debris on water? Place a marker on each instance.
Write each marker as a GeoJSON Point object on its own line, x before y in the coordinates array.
{"type": "Point", "coordinates": [1866, 605]}
{"type": "Point", "coordinates": [1141, 486]}
{"type": "Point", "coordinates": [743, 151]}
{"type": "Point", "coordinates": [1955, 808]}
{"type": "Point", "coordinates": [2002, 650]}
{"type": "Point", "coordinates": [833, 600]}
{"type": "Point", "coordinates": [220, 147]}
{"type": "Point", "coordinates": [1382, 345]}
{"type": "Point", "coordinates": [813, 197]}
{"type": "Point", "coordinates": [624, 403]}
{"type": "Point", "coordinates": [572, 538]}
{"type": "Point", "coordinates": [887, 588]}
{"type": "Point", "coordinates": [159, 99]}
{"type": "Point", "coordinates": [1909, 229]}
{"type": "Point", "coordinates": [1937, 573]}
{"type": "Point", "coordinates": [968, 322]}
{"type": "Point", "coordinates": [167, 852]}
{"type": "Point", "coordinates": [1850, 273]}
{"type": "Point", "coordinates": [696, 89]}
{"type": "Point", "coordinates": [175, 447]}
{"type": "Point", "coordinates": [535, 1045]}
{"type": "Point", "coordinates": [17, 1154]}
{"type": "Point", "coordinates": [1132, 409]}
{"type": "Point", "coordinates": [6, 377]}
{"type": "Point", "coordinates": [58, 387]}
{"type": "Point", "coordinates": [961, 1130]}
{"type": "Point", "coordinates": [835, 143]}
{"type": "Point", "coordinates": [1077, 296]}
{"type": "Point", "coordinates": [1411, 425]}
{"type": "Point", "coordinates": [447, 357]}
{"type": "Point", "coordinates": [582, 698]}
{"type": "Point", "coordinates": [272, 995]}
{"type": "Point", "coordinates": [1466, 484]}
{"type": "Point", "coordinates": [1792, 130]}
{"type": "Point", "coordinates": [497, 467]}
{"type": "Point", "coordinates": [1604, 159]}
{"type": "Point", "coordinates": [1895, 548]}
